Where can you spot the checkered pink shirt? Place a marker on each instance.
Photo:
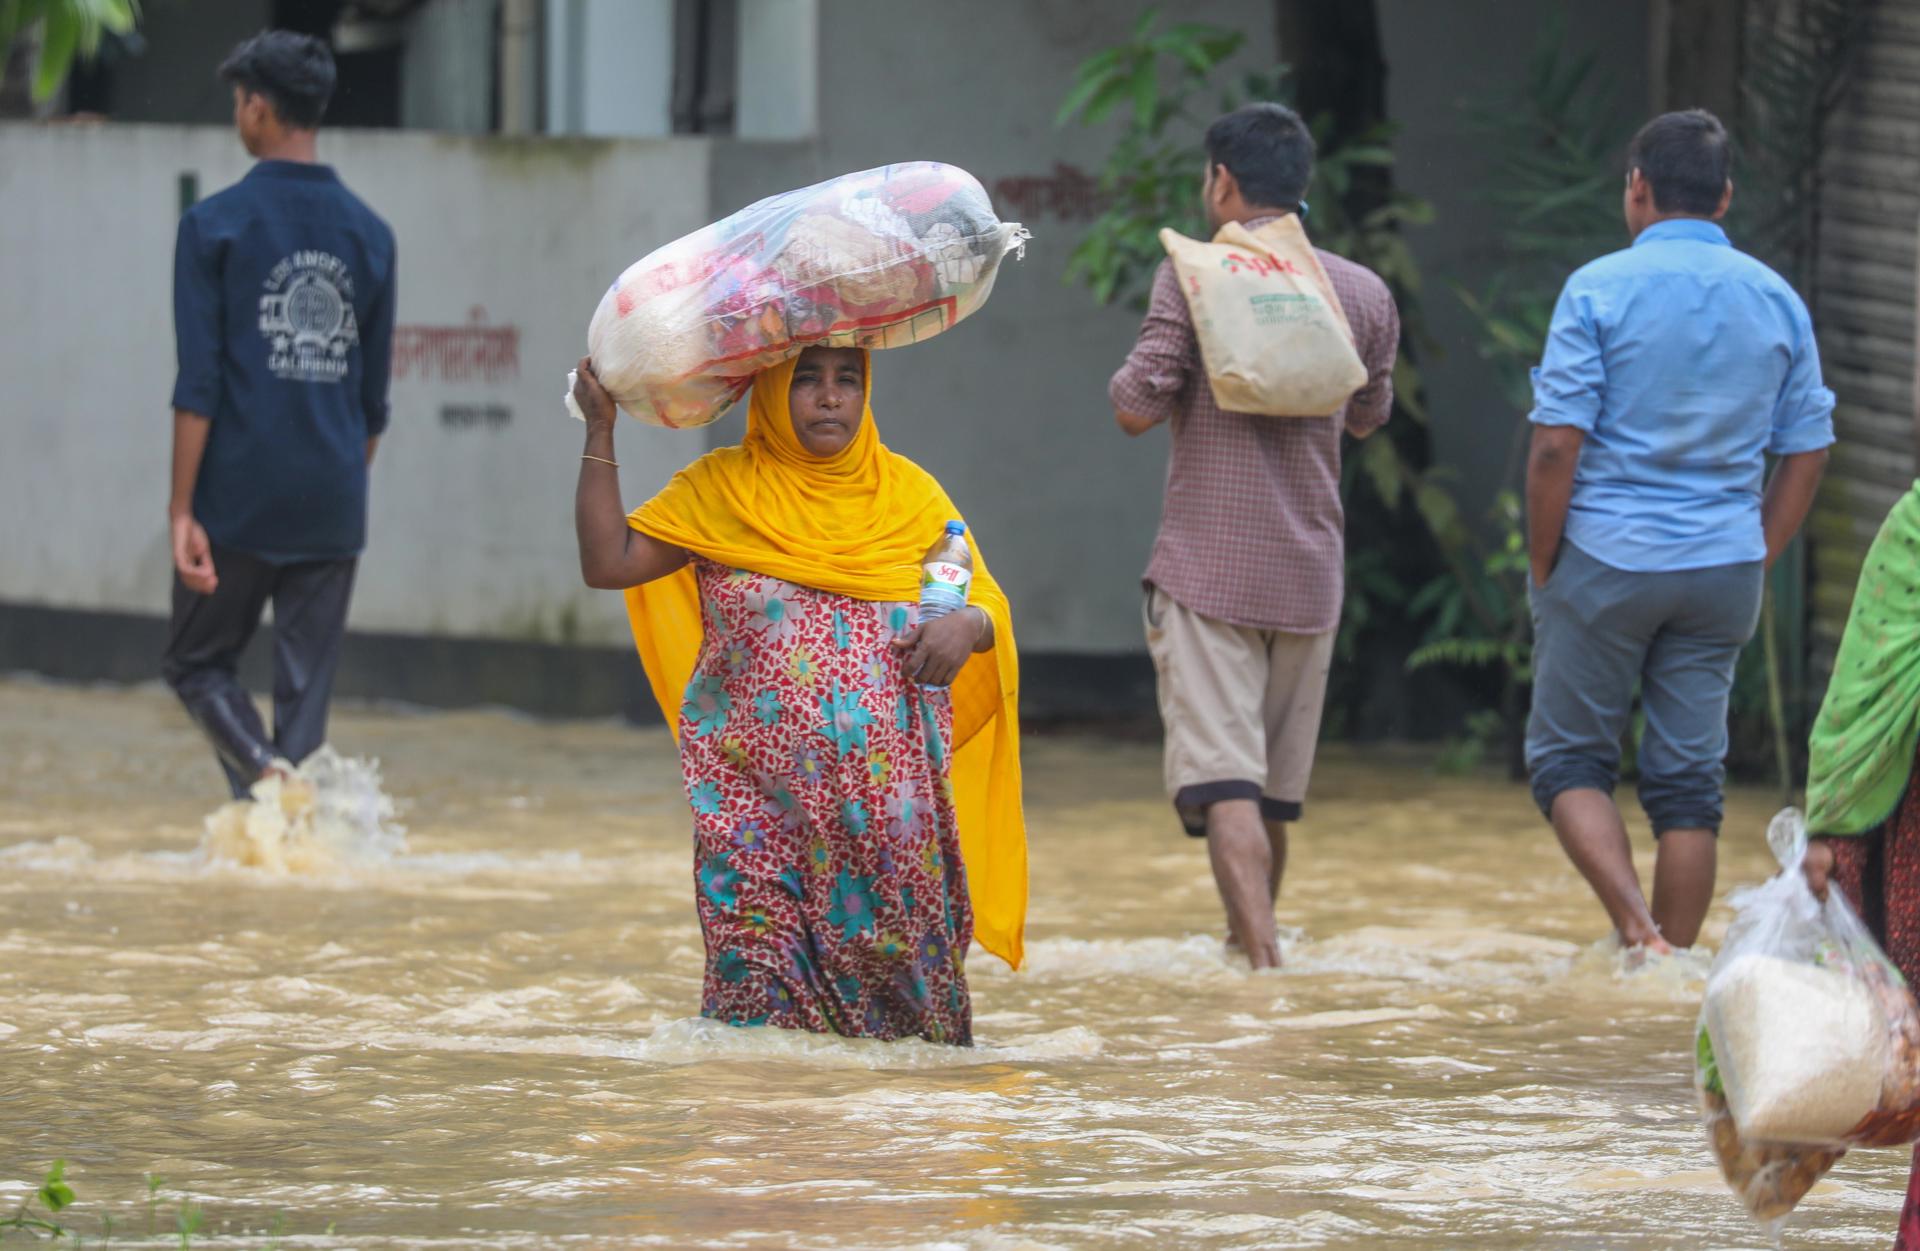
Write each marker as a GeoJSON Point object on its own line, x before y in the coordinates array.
{"type": "Point", "coordinates": [1252, 532]}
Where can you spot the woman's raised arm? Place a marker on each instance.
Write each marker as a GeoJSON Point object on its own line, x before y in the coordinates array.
{"type": "Point", "coordinates": [613, 555]}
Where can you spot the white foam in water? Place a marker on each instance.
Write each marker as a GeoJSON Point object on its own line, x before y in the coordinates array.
{"type": "Point", "coordinates": [330, 814]}
{"type": "Point", "coordinates": [696, 1040]}
{"type": "Point", "coordinates": [1195, 956]}
{"type": "Point", "coordinates": [1642, 974]}
{"type": "Point", "coordinates": [63, 853]}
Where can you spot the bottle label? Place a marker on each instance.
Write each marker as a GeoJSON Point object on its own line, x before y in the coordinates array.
{"type": "Point", "coordinates": [944, 584]}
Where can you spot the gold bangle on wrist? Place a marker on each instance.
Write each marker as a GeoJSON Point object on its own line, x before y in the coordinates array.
{"type": "Point", "coordinates": [603, 460]}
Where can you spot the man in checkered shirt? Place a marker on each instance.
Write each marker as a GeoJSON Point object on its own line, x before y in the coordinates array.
{"type": "Point", "coordinates": [1244, 587]}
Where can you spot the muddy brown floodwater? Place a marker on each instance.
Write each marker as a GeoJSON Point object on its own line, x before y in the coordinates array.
{"type": "Point", "coordinates": [488, 1040]}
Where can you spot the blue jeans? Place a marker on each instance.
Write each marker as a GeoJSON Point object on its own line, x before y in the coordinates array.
{"type": "Point", "coordinates": [1597, 631]}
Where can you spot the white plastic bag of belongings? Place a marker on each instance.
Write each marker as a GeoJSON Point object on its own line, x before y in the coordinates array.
{"type": "Point", "coordinates": [1809, 1039]}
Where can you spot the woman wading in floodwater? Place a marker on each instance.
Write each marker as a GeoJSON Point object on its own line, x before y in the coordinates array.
{"type": "Point", "coordinates": [856, 825]}
{"type": "Point", "coordinates": [1863, 804]}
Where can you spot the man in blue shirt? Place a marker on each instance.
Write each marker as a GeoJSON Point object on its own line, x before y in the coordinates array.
{"type": "Point", "coordinates": [283, 310]}
{"type": "Point", "coordinates": [1672, 370]}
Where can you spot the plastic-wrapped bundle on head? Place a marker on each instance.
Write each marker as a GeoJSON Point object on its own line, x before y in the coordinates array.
{"type": "Point", "coordinates": [877, 259]}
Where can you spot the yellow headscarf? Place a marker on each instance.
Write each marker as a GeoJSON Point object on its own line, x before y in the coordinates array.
{"type": "Point", "coordinates": [855, 524]}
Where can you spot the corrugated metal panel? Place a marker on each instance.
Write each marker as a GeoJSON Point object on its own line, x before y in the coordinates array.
{"type": "Point", "coordinates": [1864, 310]}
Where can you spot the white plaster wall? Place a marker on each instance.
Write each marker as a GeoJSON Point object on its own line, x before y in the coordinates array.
{"type": "Point", "coordinates": [472, 530]}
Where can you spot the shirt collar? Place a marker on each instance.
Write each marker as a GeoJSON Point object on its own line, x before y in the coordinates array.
{"type": "Point", "coordinates": [1692, 228]}
{"type": "Point", "coordinates": [1254, 223]}
{"type": "Point", "coordinates": [292, 169]}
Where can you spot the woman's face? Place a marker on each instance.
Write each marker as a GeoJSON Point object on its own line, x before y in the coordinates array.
{"type": "Point", "coordinates": [828, 398]}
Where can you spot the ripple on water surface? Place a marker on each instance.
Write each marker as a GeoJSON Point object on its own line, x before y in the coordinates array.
{"type": "Point", "coordinates": [481, 1037]}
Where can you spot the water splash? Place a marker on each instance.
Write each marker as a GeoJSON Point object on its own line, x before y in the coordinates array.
{"type": "Point", "coordinates": [1681, 975]}
{"type": "Point", "coordinates": [326, 815]}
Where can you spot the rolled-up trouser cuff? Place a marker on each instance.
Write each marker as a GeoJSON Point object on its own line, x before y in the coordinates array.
{"type": "Point", "coordinates": [1687, 798]}
{"type": "Point", "coordinates": [1562, 772]}
{"type": "Point", "coordinates": [1689, 801]}
{"type": "Point", "coordinates": [1280, 809]}
{"type": "Point", "coordinates": [1694, 822]}
{"type": "Point", "coordinates": [1192, 802]}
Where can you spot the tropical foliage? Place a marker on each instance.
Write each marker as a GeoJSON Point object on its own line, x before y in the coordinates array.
{"type": "Point", "coordinates": [66, 28]}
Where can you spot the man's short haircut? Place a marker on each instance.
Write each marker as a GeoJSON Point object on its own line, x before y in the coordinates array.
{"type": "Point", "coordinates": [1686, 158]}
{"type": "Point", "coordinates": [1269, 151]}
{"type": "Point", "coordinates": [294, 72]}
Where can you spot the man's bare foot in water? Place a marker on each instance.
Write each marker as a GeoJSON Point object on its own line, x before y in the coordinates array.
{"type": "Point", "coordinates": [1638, 951]}
{"type": "Point", "coordinates": [1234, 951]}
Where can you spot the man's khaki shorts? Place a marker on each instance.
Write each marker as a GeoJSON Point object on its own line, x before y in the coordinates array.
{"type": "Point", "coordinates": [1241, 709]}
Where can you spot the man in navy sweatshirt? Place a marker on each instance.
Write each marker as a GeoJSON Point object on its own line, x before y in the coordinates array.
{"type": "Point", "coordinates": [283, 309]}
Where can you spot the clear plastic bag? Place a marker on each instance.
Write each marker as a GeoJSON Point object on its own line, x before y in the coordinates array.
{"type": "Point", "coordinates": [876, 259]}
{"type": "Point", "coordinates": [1808, 1042]}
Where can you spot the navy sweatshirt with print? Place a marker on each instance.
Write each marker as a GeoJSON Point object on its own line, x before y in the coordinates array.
{"type": "Point", "coordinates": [283, 298]}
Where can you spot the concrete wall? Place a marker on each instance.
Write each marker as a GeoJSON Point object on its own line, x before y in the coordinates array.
{"type": "Point", "coordinates": [777, 73]}
{"type": "Point", "coordinates": [447, 70]}
{"type": "Point", "coordinates": [1487, 45]}
{"type": "Point", "coordinates": [471, 527]}
{"type": "Point", "coordinates": [610, 67]}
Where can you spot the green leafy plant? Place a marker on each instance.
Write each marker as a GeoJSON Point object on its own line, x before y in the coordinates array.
{"type": "Point", "coordinates": [1707, 1066]}
{"type": "Point", "coordinates": [54, 1195]}
{"type": "Point", "coordinates": [67, 28]}
{"type": "Point", "coordinates": [1479, 619]}
{"type": "Point", "coordinates": [1151, 178]}
{"type": "Point", "coordinates": [1372, 592]}
{"type": "Point", "coordinates": [1455, 634]}
{"type": "Point", "coordinates": [1466, 752]}
{"type": "Point", "coordinates": [1157, 84]}
{"type": "Point", "coordinates": [187, 1222]}
{"type": "Point", "coordinates": [1556, 140]}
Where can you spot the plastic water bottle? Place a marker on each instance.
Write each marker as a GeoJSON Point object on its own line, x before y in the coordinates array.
{"type": "Point", "coordinates": [946, 574]}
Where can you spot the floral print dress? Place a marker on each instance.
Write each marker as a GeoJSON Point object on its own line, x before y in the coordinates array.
{"type": "Point", "coordinates": [830, 888]}
{"type": "Point", "coordinates": [1880, 873]}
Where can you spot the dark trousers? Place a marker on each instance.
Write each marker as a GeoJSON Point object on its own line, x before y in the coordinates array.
{"type": "Point", "coordinates": [209, 632]}
{"type": "Point", "coordinates": [1597, 631]}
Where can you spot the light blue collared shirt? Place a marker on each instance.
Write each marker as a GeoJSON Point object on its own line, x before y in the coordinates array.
{"type": "Point", "coordinates": [1685, 362]}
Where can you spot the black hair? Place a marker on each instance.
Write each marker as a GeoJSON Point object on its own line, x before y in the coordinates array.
{"type": "Point", "coordinates": [294, 72]}
{"type": "Point", "coordinates": [1269, 151]}
{"type": "Point", "coordinates": [1686, 158]}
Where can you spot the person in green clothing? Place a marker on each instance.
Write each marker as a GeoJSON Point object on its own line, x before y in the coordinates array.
{"type": "Point", "coordinates": [1862, 805]}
